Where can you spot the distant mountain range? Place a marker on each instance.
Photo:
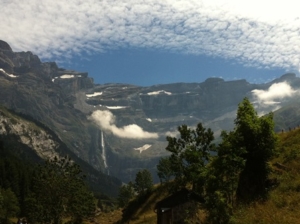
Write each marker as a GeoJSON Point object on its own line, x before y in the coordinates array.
{"type": "Point", "coordinates": [120, 128]}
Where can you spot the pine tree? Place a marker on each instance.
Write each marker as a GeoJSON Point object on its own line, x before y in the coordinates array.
{"type": "Point", "coordinates": [255, 135]}
{"type": "Point", "coordinates": [59, 191]}
{"type": "Point", "coordinates": [10, 205]}
{"type": "Point", "coordinates": [222, 179]}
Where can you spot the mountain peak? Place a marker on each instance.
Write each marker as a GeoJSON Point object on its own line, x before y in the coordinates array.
{"type": "Point", "coordinates": [4, 46]}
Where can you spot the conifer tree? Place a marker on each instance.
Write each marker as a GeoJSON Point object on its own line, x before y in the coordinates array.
{"type": "Point", "coordinates": [222, 179]}
{"type": "Point", "coordinates": [60, 191]}
{"type": "Point", "coordinates": [10, 205]}
{"type": "Point", "coordinates": [255, 135]}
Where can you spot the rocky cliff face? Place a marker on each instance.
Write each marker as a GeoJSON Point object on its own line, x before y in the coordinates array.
{"type": "Point", "coordinates": [117, 128]}
{"type": "Point", "coordinates": [35, 142]}
{"type": "Point", "coordinates": [46, 92]}
{"type": "Point", "coordinates": [29, 134]}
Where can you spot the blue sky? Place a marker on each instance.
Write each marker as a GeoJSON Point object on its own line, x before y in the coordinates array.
{"type": "Point", "coordinates": [155, 42]}
{"type": "Point", "coordinates": [146, 67]}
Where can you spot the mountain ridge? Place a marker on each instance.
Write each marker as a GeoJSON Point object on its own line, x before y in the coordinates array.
{"type": "Point", "coordinates": [67, 102]}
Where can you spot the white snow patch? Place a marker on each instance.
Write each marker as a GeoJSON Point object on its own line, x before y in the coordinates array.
{"type": "Point", "coordinates": [115, 107]}
{"type": "Point", "coordinates": [149, 119]}
{"type": "Point", "coordinates": [159, 92]}
{"type": "Point", "coordinates": [144, 147]}
{"type": "Point", "coordinates": [5, 73]}
{"type": "Point", "coordinates": [65, 76]}
{"type": "Point", "coordinates": [54, 79]}
{"type": "Point", "coordinates": [94, 94]}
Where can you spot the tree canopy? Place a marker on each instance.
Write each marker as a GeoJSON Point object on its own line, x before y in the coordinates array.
{"type": "Point", "coordinates": [255, 135]}
{"type": "Point", "coordinates": [189, 155]}
{"type": "Point", "coordinates": [59, 191]}
{"type": "Point", "coordinates": [143, 181]}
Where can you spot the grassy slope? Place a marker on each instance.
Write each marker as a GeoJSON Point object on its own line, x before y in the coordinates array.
{"type": "Point", "coordinates": [283, 205]}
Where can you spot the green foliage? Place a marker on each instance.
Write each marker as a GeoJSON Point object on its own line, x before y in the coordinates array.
{"type": "Point", "coordinates": [189, 155]}
{"type": "Point", "coordinates": [10, 205]}
{"type": "Point", "coordinates": [143, 181]}
{"type": "Point", "coordinates": [239, 170]}
{"type": "Point", "coordinates": [81, 204]}
{"type": "Point", "coordinates": [126, 193]}
{"type": "Point", "coordinates": [59, 190]}
{"type": "Point", "coordinates": [256, 136]}
{"type": "Point", "coordinates": [164, 170]}
{"type": "Point", "coordinates": [222, 179]}
{"type": "Point", "coordinates": [15, 173]}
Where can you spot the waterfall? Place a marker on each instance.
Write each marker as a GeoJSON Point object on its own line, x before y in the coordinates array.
{"type": "Point", "coordinates": [104, 152]}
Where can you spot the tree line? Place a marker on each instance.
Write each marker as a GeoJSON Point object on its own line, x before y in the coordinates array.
{"type": "Point", "coordinates": [43, 193]}
{"type": "Point", "coordinates": [234, 171]}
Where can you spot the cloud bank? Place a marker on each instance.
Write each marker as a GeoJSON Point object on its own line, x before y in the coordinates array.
{"type": "Point", "coordinates": [275, 94]}
{"type": "Point", "coordinates": [106, 120]}
{"type": "Point", "coordinates": [255, 33]}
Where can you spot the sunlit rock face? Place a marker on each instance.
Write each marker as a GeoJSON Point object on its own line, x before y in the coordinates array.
{"type": "Point", "coordinates": [127, 122]}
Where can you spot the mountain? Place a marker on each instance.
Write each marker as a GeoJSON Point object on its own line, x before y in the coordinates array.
{"type": "Point", "coordinates": [121, 128]}
{"type": "Point", "coordinates": [34, 142]}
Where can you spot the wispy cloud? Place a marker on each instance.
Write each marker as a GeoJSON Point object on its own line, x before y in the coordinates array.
{"type": "Point", "coordinates": [256, 33]}
{"type": "Point", "coordinates": [106, 120]}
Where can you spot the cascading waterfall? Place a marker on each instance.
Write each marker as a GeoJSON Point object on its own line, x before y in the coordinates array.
{"type": "Point", "coordinates": [104, 152]}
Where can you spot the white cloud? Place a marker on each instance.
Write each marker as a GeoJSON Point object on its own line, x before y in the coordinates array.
{"type": "Point", "coordinates": [276, 93]}
{"type": "Point", "coordinates": [106, 120]}
{"type": "Point", "coordinates": [172, 133]}
{"type": "Point", "coordinates": [273, 98]}
{"type": "Point", "coordinates": [256, 33]}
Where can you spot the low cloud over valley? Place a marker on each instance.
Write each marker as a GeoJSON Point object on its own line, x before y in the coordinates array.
{"type": "Point", "coordinates": [106, 120]}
